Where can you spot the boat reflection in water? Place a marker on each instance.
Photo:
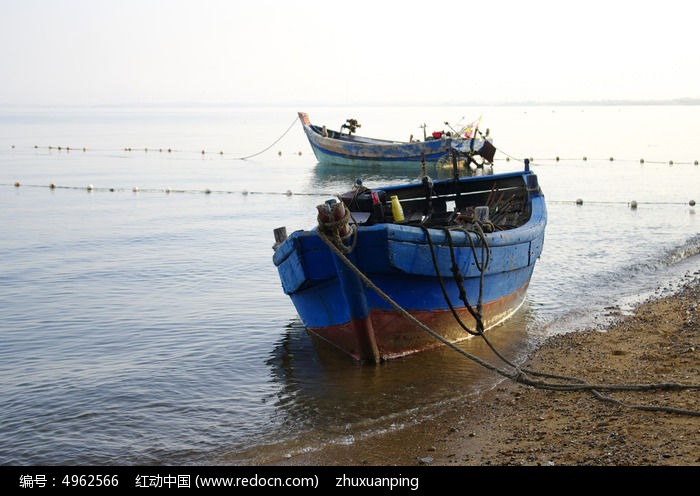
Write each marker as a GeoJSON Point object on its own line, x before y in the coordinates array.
{"type": "Point", "coordinates": [326, 399]}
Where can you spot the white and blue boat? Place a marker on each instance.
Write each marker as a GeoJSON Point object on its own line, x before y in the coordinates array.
{"type": "Point", "coordinates": [344, 147]}
{"type": "Point", "coordinates": [391, 271]}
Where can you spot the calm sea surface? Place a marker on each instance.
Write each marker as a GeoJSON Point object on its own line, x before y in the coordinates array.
{"type": "Point", "coordinates": [143, 321]}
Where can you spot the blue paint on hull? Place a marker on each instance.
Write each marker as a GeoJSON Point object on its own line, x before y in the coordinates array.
{"type": "Point", "coordinates": [326, 156]}
{"type": "Point", "coordinates": [398, 260]}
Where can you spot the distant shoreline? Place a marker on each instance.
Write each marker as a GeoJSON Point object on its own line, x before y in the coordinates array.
{"type": "Point", "coordinates": [562, 103]}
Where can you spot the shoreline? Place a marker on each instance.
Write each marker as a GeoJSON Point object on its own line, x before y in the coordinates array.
{"type": "Point", "coordinates": [515, 424]}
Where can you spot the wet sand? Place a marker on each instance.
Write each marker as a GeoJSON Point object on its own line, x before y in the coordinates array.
{"type": "Point", "coordinates": [516, 424]}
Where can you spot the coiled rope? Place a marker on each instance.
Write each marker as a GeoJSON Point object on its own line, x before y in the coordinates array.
{"type": "Point", "coordinates": [519, 375]}
{"type": "Point", "coordinates": [330, 227]}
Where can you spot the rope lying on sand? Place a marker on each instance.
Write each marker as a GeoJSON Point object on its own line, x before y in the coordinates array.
{"type": "Point", "coordinates": [523, 376]}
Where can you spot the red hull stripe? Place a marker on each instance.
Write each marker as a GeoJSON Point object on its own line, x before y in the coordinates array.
{"type": "Point", "coordinates": [387, 334]}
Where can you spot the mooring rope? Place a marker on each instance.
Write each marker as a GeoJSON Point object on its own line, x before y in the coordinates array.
{"type": "Point", "coordinates": [458, 278]}
{"type": "Point", "coordinates": [398, 308]}
{"type": "Point", "coordinates": [296, 119]}
{"type": "Point", "coordinates": [520, 375]}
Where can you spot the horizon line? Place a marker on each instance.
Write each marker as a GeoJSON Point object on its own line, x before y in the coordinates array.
{"type": "Point", "coordinates": [515, 103]}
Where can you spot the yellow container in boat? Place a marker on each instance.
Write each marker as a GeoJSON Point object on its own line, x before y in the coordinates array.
{"type": "Point", "coordinates": [396, 209]}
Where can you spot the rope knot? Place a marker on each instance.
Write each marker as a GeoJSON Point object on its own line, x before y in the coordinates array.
{"type": "Point", "coordinates": [334, 221]}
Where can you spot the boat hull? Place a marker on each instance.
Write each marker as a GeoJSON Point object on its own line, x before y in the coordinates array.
{"type": "Point", "coordinates": [395, 336]}
{"type": "Point", "coordinates": [357, 302]}
{"type": "Point", "coordinates": [343, 149]}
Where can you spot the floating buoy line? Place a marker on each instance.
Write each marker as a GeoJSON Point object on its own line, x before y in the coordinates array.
{"type": "Point", "coordinates": [136, 189]}
{"type": "Point", "coordinates": [540, 161]}
{"type": "Point", "coordinates": [165, 151]}
{"type": "Point", "coordinates": [203, 152]}
{"type": "Point", "coordinates": [170, 151]}
{"type": "Point", "coordinates": [221, 153]}
{"type": "Point", "coordinates": [633, 204]}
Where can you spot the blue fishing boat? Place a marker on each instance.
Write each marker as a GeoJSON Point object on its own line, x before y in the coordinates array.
{"type": "Point", "coordinates": [344, 147]}
{"type": "Point", "coordinates": [390, 271]}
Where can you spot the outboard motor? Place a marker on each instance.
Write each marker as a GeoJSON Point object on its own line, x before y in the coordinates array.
{"type": "Point", "coordinates": [351, 125]}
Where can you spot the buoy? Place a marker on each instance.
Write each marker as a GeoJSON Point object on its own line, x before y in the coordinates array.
{"type": "Point", "coordinates": [245, 192]}
{"type": "Point", "coordinates": [300, 154]}
{"type": "Point", "coordinates": [136, 189]}
{"type": "Point", "coordinates": [691, 203]}
{"type": "Point", "coordinates": [585, 158]}
{"type": "Point", "coordinates": [611, 159]}
{"type": "Point", "coordinates": [89, 187]}
{"type": "Point", "coordinates": [641, 160]}
{"type": "Point", "coordinates": [17, 184]}
{"type": "Point", "coordinates": [696, 162]}
{"type": "Point", "coordinates": [289, 192]}
{"type": "Point", "coordinates": [207, 191]}
{"type": "Point", "coordinates": [111, 190]}
{"type": "Point", "coordinates": [670, 162]}
{"type": "Point", "coordinates": [557, 159]}
{"type": "Point", "coordinates": [202, 152]}
{"type": "Point", "coordinates": [633, 205]}
{"type": "Point", "coordinates": [221, 152]}
{"type": "Point", "coordinates": [579, 201]}
{"type": "Point", "coordinates": [52, 186]}
{"type": "Point", "coordinates": [168, 190]}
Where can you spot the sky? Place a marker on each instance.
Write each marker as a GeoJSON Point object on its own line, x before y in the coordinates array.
{"type": "Point", "coordinates": [329, 52]}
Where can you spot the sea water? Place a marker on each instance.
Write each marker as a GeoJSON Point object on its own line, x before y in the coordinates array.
{"type": "Point", "coordinates": [143, 321]}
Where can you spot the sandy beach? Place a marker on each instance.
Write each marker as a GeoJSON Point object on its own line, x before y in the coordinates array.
{"type": "Point", "coordinates": [522, 425]}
